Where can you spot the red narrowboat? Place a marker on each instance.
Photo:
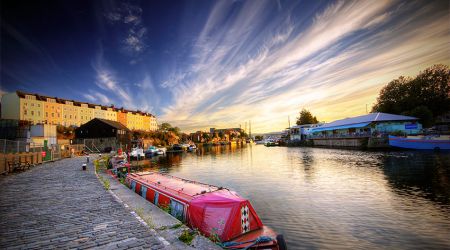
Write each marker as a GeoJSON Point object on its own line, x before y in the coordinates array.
{"type": "Point", "coordinates": [215, 211]}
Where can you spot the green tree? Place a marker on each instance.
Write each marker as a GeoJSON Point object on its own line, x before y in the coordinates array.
{"type": "Point", "coordinates": [165, 126]}
{"type": "Point", "coordinates": [428, 94]}
{"type": "Point", "coordinates": [305, 117]}
{"type": "Point", "coordinates": [423, 113]}
{"type": "Point", "coordinates": [394, 97]}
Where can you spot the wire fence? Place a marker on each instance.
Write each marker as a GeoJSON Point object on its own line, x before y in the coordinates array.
{"type": "Point", "coordinates": [15, 152]}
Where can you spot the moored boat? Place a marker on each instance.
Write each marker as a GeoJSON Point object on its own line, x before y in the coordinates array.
{"type": "Point", "coordinates": [215, 211]}
{"type": "Point", "coordinates": [271, 143]}
{"type": "Point", "coordinates": [421, 142]}
{"type": "Point", "coordinates": [152, 150]}
{"type": "Point", "coordinates": [175, 148]}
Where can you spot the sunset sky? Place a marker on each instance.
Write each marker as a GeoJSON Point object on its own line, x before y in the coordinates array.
{"type": "Point", "coordinates": [200, 64]}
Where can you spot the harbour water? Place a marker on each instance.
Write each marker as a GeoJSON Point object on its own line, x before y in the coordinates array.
{"type": "Point", "coordinates": [332, 198]}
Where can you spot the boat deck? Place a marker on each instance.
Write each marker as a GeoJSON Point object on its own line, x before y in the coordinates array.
{"type": "Point", "coordinates": [177, 186]}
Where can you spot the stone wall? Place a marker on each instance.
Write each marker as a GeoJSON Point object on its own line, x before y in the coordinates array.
{"type": "Point", "coordinates": [341, 142]}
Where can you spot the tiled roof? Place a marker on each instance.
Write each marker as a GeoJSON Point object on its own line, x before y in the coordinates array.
{"type": "Point", "coordinates": [114, 124]}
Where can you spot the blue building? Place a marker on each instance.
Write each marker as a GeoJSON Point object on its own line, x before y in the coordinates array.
{"type": "Point", "coordinates": [363, 130]}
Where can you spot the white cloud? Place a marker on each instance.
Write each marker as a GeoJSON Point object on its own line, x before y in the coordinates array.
{"type": "Point", "coordinates": [107, 81]}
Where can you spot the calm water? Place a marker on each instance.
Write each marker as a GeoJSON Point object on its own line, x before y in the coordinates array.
{"type": "Point", "coordinates": [330, 198]}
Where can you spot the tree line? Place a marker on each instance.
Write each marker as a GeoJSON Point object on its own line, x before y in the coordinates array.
{"type": "Point", "coordinates": [425, 96]}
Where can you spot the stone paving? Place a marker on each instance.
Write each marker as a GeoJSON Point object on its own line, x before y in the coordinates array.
{"type": "Point", "coordinates": [58, 206]}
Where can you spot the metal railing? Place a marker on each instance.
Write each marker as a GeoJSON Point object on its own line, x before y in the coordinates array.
{"type": "Point", "coordinates": [9, 146]}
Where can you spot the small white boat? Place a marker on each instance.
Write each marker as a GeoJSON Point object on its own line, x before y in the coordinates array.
{"type": "Point", "coordinates": [137, 152]}
{"type": "Point", "coordinates": [161, 151]}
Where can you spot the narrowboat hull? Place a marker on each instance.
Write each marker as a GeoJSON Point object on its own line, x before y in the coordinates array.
{"type": "Point", "coordinates": [419, 143]}
{"type": "Point", "coordinates": [206, 207]}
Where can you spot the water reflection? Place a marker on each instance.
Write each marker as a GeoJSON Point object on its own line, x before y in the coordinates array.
{"type": "Point", "coordinates": [328, 198]}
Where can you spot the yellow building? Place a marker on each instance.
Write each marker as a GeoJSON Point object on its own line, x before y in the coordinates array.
{"type": "Point", "coordinates": [85, 113]}
{"type": "Point", "coordinates": [111, 114]}
{"type": "Point", "coordinates": [51, 110]}
{"type": "Point", "coordinates": [99, 112]}
{"type": "Point", "coordinates": [70, 114]}
{"type": "Point", "coordinates": [153, 123]}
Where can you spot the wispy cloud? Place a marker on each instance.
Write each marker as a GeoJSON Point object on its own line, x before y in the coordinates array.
{"type": "Point", "coordinates": [248, 69]}
{"type": "Point", "coordinates": [107, 81]}
{"type": "Point", "coordinates": [135, 36]}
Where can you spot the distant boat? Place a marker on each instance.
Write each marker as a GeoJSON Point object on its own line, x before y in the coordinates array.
{"type": "Point", "coordinates": [271, 143]}
{"type": "Point", "coordinates": [161, 150]}
{"type": "Point", "coordinates": [137, 153]}
{"type": "Point", "coordinates": [152, 150]}
{"type": "Point", "coordinates": [175, 148]}
{"type": "Point", "coordinates": [421, 142]}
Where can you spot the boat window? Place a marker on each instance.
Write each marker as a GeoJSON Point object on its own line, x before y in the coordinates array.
{"type": "Point", "coordinates": [144, 191]}
{"type": "Point", "coordinates": [177, 209]}
{"type": "Point", "coordinates": [156, 198]}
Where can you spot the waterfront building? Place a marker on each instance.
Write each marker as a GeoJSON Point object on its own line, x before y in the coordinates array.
{"type": "Point", "coordinates": [40, 109]}
{"type": "Point", "coordinates": [364, 130]}
{"type": "Point", "coordinates": [122, 116]}
{"type": "Point", "coordinates": [70, 114]}
{"type": "Point", "coordinates": [301, 132]}
{"type": "Point", "coordinates": [102, 128]}
{"type": "Point", "coordinates": [86, 113]}
{"type": "Point", "coordinates": [52, 111]}
{"type": "Point", "coordinates": [111, 114]}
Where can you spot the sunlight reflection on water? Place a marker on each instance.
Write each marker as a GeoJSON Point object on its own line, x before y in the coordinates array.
{"type": "Point", "coordinates": [331, 198]}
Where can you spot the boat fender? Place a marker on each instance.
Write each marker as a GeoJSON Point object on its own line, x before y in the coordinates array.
{"type": "Point", "coordinates": [281, 242]}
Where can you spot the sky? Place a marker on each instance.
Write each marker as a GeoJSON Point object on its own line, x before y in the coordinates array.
{"type": "Point", "coordinates": [199, 64]}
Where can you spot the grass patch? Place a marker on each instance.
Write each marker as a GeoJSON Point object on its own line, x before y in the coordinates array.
{"type": "Point", "coordinates": [165, 208]}
{"type": "Point", "coordinates": [187, 236]}
{"type": "Point", "coordinates": [105, 182]}
{"type": "Point", "coordinates": [148, 219]}
{"type": "Point", "coordinates": [176, 226]}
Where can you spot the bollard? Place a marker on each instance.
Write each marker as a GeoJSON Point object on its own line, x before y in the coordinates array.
{"type": "Point", "coordinates": [87, 159]}
{"type": "Point", "coordinates": [84, 166]}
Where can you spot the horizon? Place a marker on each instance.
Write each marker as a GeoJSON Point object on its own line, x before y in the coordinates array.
{"type": "Point", "coordinates": [203, 64]}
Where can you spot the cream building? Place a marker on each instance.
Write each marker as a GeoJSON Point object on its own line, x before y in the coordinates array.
{"type": "Point", "coordinates": [41, 109]}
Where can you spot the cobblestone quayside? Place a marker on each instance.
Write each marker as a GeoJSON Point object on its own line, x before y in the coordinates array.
{"type": "Point", "coordinates": [58, 206]}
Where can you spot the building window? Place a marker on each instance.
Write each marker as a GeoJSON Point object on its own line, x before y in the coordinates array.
{"type": "Point", "coordinates": [24, 112]}
{"type": "Point", "coordinates": [46, 114]}
{"type": "Point", "coordinates": [39, 113]}
{"type": "Point", "coordinates": [32, 112]}
{"type": "Point", "coordinates": [53, 114]}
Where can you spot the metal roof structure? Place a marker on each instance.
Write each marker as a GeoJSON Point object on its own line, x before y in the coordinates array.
{"type": "Point", "coordinates": [363, 120]}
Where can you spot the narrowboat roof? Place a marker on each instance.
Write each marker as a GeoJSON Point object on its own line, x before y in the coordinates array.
{"type": "Point", "coordinates": [177, 186]}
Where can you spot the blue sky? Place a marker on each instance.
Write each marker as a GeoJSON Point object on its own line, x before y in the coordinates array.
{"type": "Point", "coordinates": [201, 64]}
